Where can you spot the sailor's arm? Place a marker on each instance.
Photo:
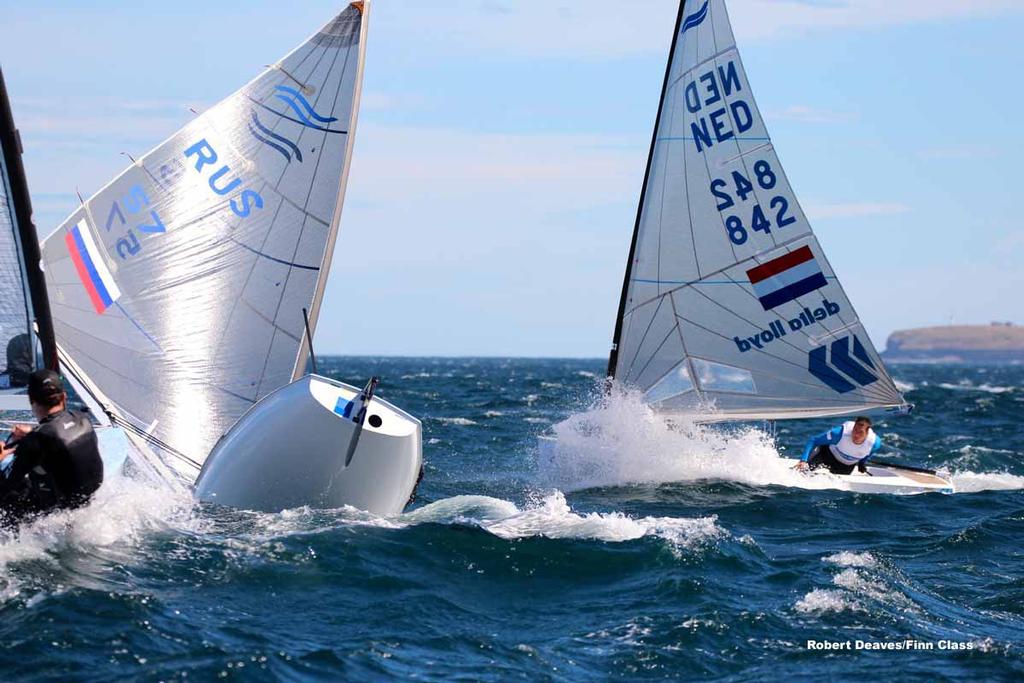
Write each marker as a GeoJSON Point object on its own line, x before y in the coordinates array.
{"type": "Point", "coordinates": [27, 456]}
{"type": "Point", "coordinates": [831, 437]}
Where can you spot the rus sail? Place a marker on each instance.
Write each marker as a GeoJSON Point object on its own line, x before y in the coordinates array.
{"type": "Point", "coordinates": [26, 335]}
{"type": "Point", "coordinates": [178, 289]}
{"type": "Point", "coordinates": [729, 303]}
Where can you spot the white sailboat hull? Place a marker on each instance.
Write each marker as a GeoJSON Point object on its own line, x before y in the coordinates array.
{"type": "Point", "coordinates": [290, 450]}
{"type": "Point", "coordinates": [882, 479]}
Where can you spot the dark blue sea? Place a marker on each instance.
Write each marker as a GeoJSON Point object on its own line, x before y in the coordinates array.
{"type": "Point", "coordinates": [640, 552]}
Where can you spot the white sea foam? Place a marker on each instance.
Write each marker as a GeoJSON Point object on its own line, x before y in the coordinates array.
{"type": "Point", "coordinates": [904, 387]}
{"type": "Point", "coordinates": [821, 601]}
{"type": "Point", "coordinates": [459, 421]}
{"type": "Point", "coordinates": [549, 516]}
{"type": "Point", "coordinates": [851, 559]}
{"type": "Point", "coordinates": [123, 513]}
{"type": "Point", "coordinates": [969, 386]}
{"type": "Point", "coordinates": [552, 517]}
{"type": "Point", "coordinates": [972, 482]}
{"type": "Point", "coordinates": [874, 588]}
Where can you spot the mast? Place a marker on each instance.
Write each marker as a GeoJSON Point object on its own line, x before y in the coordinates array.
{"type": "Point", "coordinates": [363, 7]}
{"type": "Point", "coordinates": [613, 356]}
{"type": "Point", "coordinates": [10, 142]}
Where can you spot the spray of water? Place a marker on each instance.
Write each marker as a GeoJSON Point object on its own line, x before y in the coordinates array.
{"type": "Point", "coordinates": [620, 440]}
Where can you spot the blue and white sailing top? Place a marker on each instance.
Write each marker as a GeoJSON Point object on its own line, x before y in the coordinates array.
{"type": "Point", "coordinates": [840, 441]}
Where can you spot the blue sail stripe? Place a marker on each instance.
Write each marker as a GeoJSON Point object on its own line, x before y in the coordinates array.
{"type": "Point", "coordinates": [289, 118]}
{"type": "Point", "coordinates": [793, 291]}
{"type": "Point", "coordinates": [274, 258]}
{"type": "Point", "coordinates": [267, 142]}
{"type": "Point", "coordinates": [696, 19]}
{"type": "Point", "coordinates": [280, 138]}
{"type": "Point", "coordinates": [298, 112]}
{"type": "Point", "coordinates": [305, 103]}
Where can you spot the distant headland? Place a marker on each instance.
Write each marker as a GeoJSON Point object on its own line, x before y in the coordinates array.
{"type": "Point", "coordinates": [995, 343]}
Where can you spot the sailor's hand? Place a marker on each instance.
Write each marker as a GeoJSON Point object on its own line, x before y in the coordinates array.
{"type": "Point", "coordinates": [800, 466]}
{"type": "Point", "coordinates": [20, 431]}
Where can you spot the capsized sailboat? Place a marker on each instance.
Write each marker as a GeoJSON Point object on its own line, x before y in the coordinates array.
{"type": "Point", "coordinates": [178, 294]}
{"type": "Point", "coordinates": [730, 309]}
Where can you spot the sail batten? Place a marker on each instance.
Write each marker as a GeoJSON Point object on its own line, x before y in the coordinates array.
{"type": "Point", "coordinates": [178, 288]}
{"type": "Point", "coordinates": [729, 302]}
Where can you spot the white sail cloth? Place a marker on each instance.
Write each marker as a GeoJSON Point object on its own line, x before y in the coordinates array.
{"type": "Point", "coordinates": [730, 302]}
{"type": "Point", "coordinates": [178, 289]}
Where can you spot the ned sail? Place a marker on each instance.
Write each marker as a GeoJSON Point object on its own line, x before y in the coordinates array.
{"type": "Point", "coordinates": [729, 303]}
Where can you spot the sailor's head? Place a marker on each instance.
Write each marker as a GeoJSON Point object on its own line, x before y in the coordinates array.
{"type": "Point", "coordinates": [45, 392]}
{"type": "Point", "coordinates": [861, 426]}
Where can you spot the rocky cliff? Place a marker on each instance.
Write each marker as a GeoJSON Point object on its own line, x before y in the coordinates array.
{"type": "Point", "coordinates": [995, 343]}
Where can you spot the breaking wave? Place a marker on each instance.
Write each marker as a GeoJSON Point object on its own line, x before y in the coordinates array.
{"type": "Point", "coordinates": [121, 516]}
{"type": "Point", "coordinates": [552, 517]}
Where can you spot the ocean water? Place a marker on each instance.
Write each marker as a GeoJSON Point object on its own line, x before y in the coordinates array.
{"type": "Point", "coordinates": [638, 552]}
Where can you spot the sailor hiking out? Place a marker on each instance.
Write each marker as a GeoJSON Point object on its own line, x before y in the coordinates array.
{"type": "Point", "coordinates": [55, 465]}
{"type": "Point", "coordinates": [842, 448]}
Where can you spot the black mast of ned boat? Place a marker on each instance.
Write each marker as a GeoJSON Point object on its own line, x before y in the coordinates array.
{"type": "Point", "coordinates": [613, 357]}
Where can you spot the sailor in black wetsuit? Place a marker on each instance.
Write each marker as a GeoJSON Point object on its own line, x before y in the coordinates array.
{"type": "Point", "coordinates": [57, 464]}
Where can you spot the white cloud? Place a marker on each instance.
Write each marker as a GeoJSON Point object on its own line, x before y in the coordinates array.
{"type": "Point", "coordinates": [853, 210]}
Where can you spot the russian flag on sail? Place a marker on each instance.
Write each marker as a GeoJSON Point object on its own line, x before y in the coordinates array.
{"type": "Point", "coordinates": [782, 280]}
{"type": "Point", "coordinates": [92, 270]}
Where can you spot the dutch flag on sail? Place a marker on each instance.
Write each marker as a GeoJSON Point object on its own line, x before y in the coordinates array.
{"type": "Point", "coordinates": [782, 280]}
{"type": "Point", "coordinates": [92, 270]}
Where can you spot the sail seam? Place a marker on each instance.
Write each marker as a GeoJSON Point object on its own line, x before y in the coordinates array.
{"type": "Point", "coordinates": [309, 193]}
{"type": "Point", "coordinates": [643, 339]}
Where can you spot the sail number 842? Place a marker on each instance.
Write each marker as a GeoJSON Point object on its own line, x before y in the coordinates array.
{"type": "Point", "coordinates": [766, 180]}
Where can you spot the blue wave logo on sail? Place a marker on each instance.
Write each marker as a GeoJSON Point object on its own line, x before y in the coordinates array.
{"type": "Point", "coordinates": [853, 373]}
{"type": "Point", "coordinates": [275, 141]}
{"type": "Point", "coordinates": [695, 19]}
{"type": "Point", "coordinates": [298, 103]}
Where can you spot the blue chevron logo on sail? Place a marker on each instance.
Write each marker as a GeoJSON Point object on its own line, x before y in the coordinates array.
{"type": "Point", "coordinates": [695, 19]}
{"type": "Point", "coordinates": [859, 372]}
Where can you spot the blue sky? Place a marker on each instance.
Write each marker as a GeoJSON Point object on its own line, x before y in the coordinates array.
{"type": "Point", "coordinates": [502, 144]}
